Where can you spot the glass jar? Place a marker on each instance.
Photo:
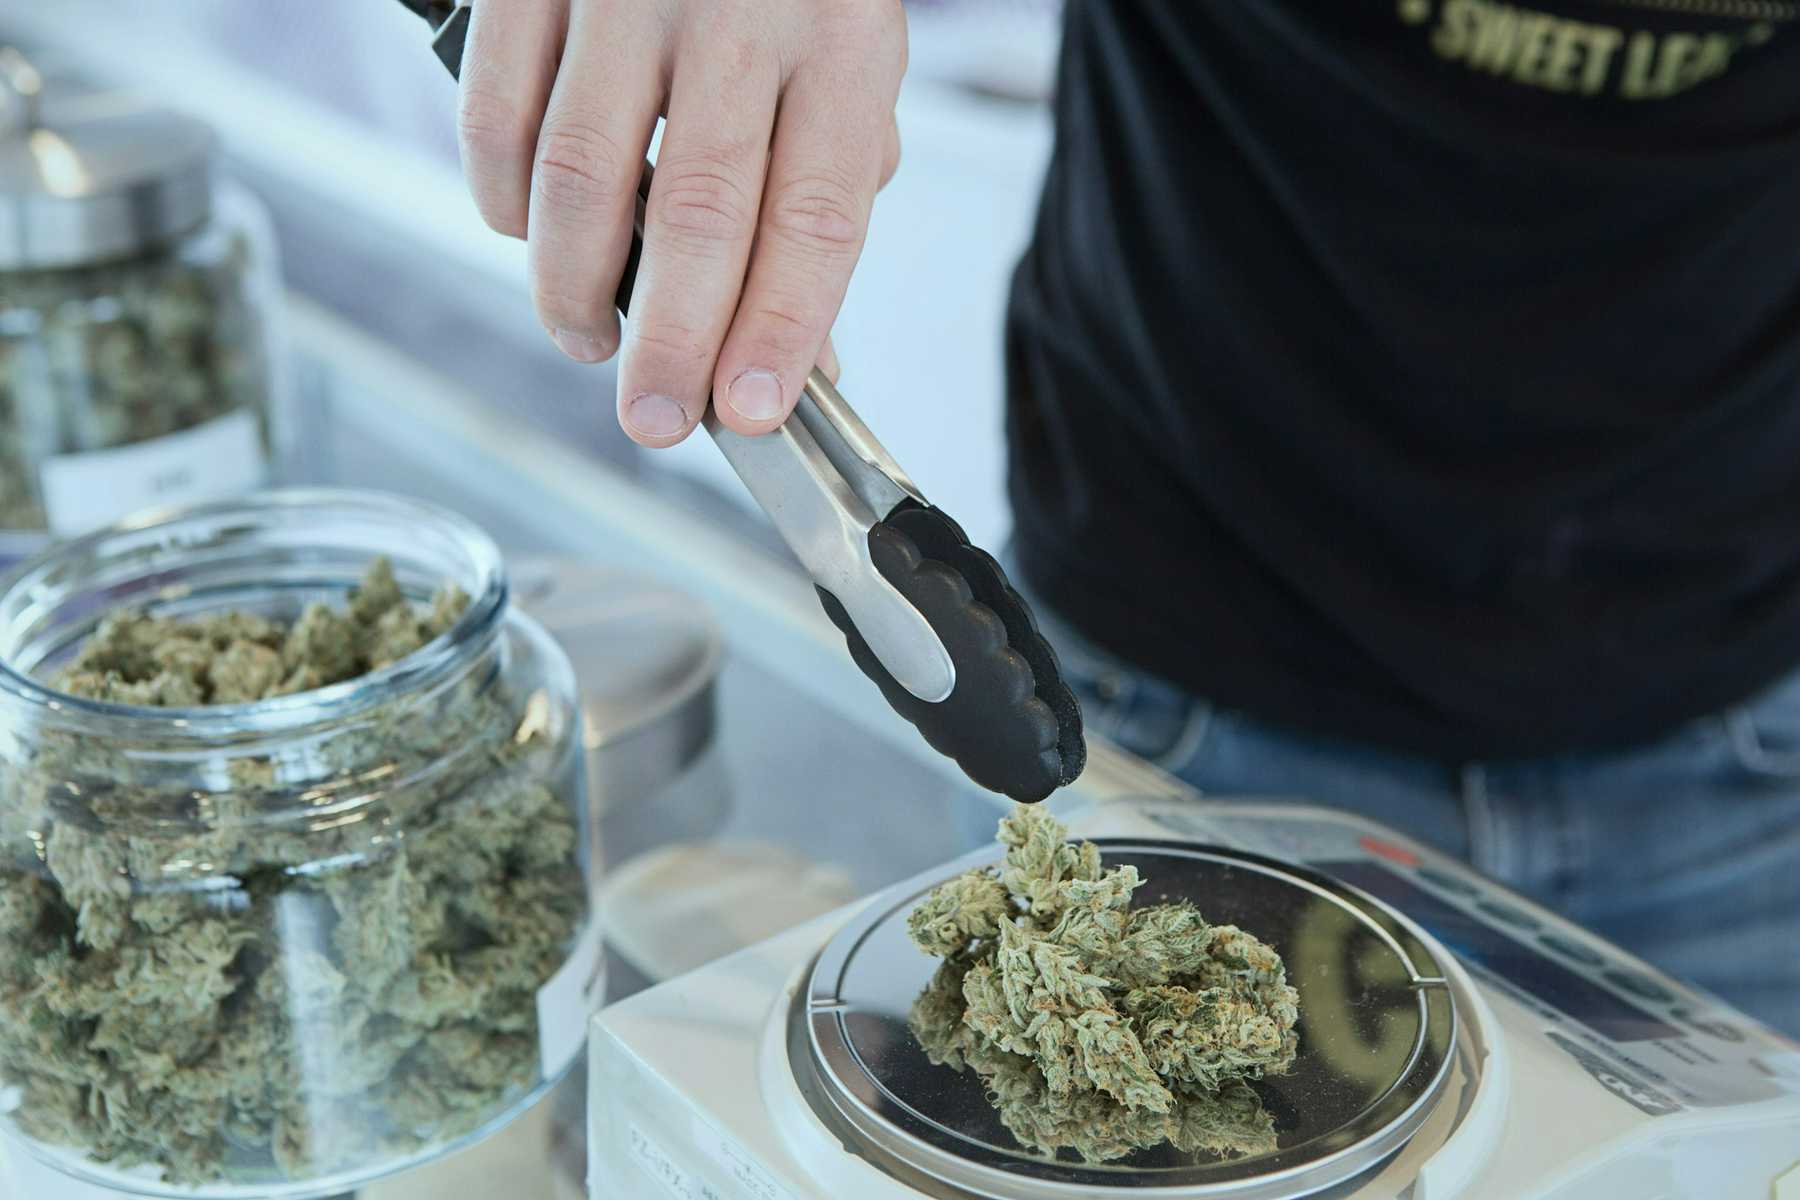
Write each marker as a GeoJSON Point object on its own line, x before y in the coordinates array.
{"type": "Point", "coordinates": [137, 301]}
{"type": "Point", "coordinates": [277, 949]}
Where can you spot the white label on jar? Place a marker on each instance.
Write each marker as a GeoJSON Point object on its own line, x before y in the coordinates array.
{"type": "Point", "coordinates": [97, 487]}
{"type": "Point", "coordinates": [567, 1000]}
{"type": "Point", "coordinates": [738, 1166]}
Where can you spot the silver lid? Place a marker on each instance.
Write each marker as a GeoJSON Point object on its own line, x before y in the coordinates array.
{"type": "Point", "coordinates": [1377, 1036]}
{"type": "Point", "coordinates": [86, 176]}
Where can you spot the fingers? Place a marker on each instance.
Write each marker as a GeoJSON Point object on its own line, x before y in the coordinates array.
{"type": "Point", "coordinates": [829, 151]}
{"type": "Point", "coordinates": [828, 362]}
{"type": "Point", "coordinates": [507, 71]}
{"type": "Point", "coordinates": [780, 133]}
{"type": "Point", "coordinates": [589, 159]}
{"type": "Point", "coordinates": [700, 224]}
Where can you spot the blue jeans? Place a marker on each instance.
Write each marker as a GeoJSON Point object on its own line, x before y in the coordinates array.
{"type": "Point", "coordinates": [1685, 851]}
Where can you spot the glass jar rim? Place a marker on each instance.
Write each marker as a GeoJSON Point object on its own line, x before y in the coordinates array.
{"type": "Point", "coordinates": [20, 594]}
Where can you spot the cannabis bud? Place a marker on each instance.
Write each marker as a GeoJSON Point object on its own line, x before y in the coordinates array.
{"type": "Point", "coordinates": [1097, 1027]}
{"type": "Point", "coordinates": [327, 956]}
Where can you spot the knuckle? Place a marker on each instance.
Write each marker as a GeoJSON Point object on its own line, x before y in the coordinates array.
{"type": "Point", "coordinates": [784, 329]}
{"type": "Point", "coordinates": [736, 35]}
{"type": "Point", "coordinates": [819, 213]}
{"type": "Point", "coordinates": [580, 169]}
{"type": "Point", "coordinates": [703, 201]}
{"type": "Point", "coordinates": [660, 341]}
{"type": "Point", "coordinates": [489, 125]}
{"type": "Point", "coordinates": [495, 146]}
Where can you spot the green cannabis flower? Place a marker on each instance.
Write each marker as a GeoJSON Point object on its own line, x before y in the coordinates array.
{"type": "Point", "coordinates": [1098, 1027]}
{"type": "Point", "coordinates": [204, 981]}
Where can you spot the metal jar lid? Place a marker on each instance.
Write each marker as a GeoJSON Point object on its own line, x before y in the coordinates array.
{"type": "Point", "coordinates": [87, 176]}
{"type": "Point", "coordinates": [1377, 1032]}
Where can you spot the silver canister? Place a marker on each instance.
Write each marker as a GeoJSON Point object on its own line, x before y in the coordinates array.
{"type": "Point", "coordinates": [647, 658]}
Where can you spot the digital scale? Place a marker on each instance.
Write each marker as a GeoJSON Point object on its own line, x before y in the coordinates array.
{"type": "Point", "coordinates": [1456, 1041]}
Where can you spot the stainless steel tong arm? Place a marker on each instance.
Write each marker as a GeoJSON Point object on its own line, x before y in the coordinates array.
{"type": "Point", "coordinates": [826, 522]}
{"type": "Point", "coordinates": [850, 445]}
{"type": "Point", "coordinates": [825, 481]}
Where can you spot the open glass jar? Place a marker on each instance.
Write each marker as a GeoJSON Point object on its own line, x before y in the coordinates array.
{"type": "Point", "coordinates": [279, 948]}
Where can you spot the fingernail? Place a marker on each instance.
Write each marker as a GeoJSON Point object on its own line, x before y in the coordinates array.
{"type": "Point", "coordinates": [756, 395]}
{"type": "Point", "coordinates": [577, 346]}
{"type": "Point", "coordinates": [655, 416]}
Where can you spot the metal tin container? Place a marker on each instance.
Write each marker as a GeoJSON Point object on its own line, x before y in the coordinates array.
{"type": "Point", "coordinates": [647, 657]}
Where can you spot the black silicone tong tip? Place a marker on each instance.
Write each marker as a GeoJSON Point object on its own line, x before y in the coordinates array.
{"type": "Point", "coordinates": [1011, 723]}
{"type": "Point", "coordinates": [449, 28]}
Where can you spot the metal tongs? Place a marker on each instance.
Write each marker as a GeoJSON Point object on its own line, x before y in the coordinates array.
{"type": "Point", "coordinates": [899, 578]}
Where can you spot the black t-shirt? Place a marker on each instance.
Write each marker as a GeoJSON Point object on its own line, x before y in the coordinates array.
{"type": "Point", "coordinates": [1422, 372]}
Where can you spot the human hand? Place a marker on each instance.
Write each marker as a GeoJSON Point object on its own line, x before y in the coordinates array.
{"type": "Point", "coordinates": [780, 130]}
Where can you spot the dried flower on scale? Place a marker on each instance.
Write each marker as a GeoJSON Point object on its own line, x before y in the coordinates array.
{"type": "Point", "coordinates": [1097, 1027]}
